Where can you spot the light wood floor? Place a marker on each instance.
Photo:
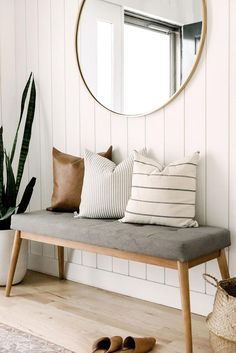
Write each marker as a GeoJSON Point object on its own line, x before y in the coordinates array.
{"type": "Point", "coordinates": [74, 315]}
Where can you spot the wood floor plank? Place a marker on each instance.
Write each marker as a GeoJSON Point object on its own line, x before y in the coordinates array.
{"type": "Point", "coordinates": [74, 315]}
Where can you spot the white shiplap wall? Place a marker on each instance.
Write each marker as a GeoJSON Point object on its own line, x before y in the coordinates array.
{"type": "Point", "coordinates": [38, 35]}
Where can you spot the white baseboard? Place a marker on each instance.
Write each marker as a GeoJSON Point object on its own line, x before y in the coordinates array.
{"type": "Point", "coordinates": [134, 287]}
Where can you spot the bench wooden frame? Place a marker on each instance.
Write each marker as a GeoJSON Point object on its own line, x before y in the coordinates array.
{"type": "Point", "coordinates": [182, 267]}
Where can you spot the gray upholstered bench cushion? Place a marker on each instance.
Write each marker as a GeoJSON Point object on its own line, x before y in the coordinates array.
{"type": "Point", "coordinates": [181, 244]}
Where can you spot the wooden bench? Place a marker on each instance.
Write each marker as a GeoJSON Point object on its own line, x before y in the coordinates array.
{"type": "Point", "coordinates": [174, 248]}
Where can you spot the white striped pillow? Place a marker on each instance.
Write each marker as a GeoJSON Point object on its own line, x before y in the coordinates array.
{"type": "Point", "coordinates": [106, 186]}
{"type": "Point", "coordinates": [163, 196]}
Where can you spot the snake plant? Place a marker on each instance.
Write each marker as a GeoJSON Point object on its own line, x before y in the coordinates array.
{"type": "Point", "coordinates": [10, 181]}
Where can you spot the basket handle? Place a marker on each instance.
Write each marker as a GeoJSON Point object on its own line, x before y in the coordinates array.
{"type": "Point", "coordinates": [206, 276]}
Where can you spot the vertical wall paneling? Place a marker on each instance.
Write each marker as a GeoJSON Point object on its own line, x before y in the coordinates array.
{"type": "Point", "coordinates": [174, 129]}
{"type": "Point", "coordinates": [20, 49]}
{"type": "Point", "coordinates": [232, 101]}
{"type": "Point", "coordinates": [155, 135]}
{"type": "Point", "coordinates": [102, 128]}
{"type": "Point", "coordinates": [33, 66]}
{"type": "Point", "coordinates": [21, 75]}
{"type": "Point", "coordinates": [136, 133]}
{"type": "Point", "coordinates": [11, 88]}
{"type": "Point", "coordinates": [58, 73]}
{"type": "Point", "coordinates": [72, 82]}
{"type": "Point", "coordinates": [119, 137]}
{"type": "Point", "coordinates": [8, 71]}
{"type": "Point", "coordinates": [38, 35]}
{"type": "Point", "coordinates": [217, 127]}
{"type": "Point", "coordinates": [44, 86]}
{"type": "Point", "coordinates": [217, 89]}
{"type": "Point", "coordinates": [87, 120]}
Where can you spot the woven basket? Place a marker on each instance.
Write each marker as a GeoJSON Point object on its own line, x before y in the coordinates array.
{"type": "Point", "coordinates": [222, 321]}
{"type": "Point", "coordinates": [221, 345]}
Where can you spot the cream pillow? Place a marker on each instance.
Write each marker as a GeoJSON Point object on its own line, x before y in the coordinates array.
{"type": "Point", "coordinates": [106, 186]}
{"type": "Point", "coordinates": [164, 196]}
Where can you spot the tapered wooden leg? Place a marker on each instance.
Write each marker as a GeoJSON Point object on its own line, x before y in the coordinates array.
{"type": "Point", "coordinates": [185, 298]}
{"type": "Point", "coordinates": [223, 266]}
{"type": "Point", "coordinates": [13, 263]}
{"type": "Point", "coordinates": [61, 265]}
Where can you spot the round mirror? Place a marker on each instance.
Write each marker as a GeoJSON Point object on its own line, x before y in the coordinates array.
{"type": "Point", "coordinates": [135, 56]}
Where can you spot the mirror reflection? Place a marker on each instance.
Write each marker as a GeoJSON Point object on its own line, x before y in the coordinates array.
{"type": "Point", "coordinates": [134, 55]}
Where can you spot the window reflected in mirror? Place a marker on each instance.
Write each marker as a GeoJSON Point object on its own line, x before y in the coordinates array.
{"type": "Point", "coordinates": [135, 55]}
{"type": "Point", "coordinates": [157, 74]}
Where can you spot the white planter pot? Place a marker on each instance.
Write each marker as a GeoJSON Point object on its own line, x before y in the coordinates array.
{"type": "Point", "coordinates": [6, 243]}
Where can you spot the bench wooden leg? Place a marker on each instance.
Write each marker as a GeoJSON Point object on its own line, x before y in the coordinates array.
{"type": "Point", "coordinates": [61, 265]}
{"type": "Point", "coordinates": [223, 266]}
{"type": "Point", "coordinates": [185, 298]}
{"type": "Point", "coordinates": [13, 263]}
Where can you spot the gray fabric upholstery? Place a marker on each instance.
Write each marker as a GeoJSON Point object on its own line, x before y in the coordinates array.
{"type": "Point", "coordinates": [181, 244]}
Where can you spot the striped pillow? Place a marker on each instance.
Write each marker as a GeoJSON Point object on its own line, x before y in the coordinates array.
{"type": "Point", "coordinates": [163, 196]}
{"type": "Point", "coordinates": [106, 187]}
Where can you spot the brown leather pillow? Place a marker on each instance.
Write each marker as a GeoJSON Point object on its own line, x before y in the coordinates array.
{"type": "Point", "coordinates": [68, 175]}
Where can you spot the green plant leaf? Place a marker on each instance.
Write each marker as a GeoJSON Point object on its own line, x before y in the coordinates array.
{"type": "Point", "coordinates": [9, 191]}
{"type": "Point", "coordinates": [26, 135]}
{"type": "Point", "coordinates": [1, 168]}
{"type": "Point", "coordinates": [10, 184]}
{"type": "Point", "coordinates": [4, 202]}
{"type": "Point", "coordinates": [23, 99]}
{"type": "Point", "coordinates": [26, 196]}
{"type": "Point", "coordinates": [8, 214]}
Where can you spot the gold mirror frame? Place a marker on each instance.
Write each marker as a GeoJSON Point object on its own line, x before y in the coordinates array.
{"type": "Point", "coordinates": [181, 88]}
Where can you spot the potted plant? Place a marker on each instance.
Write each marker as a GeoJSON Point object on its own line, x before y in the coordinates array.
{"type": "Point", "coordinates": [10, 184]}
